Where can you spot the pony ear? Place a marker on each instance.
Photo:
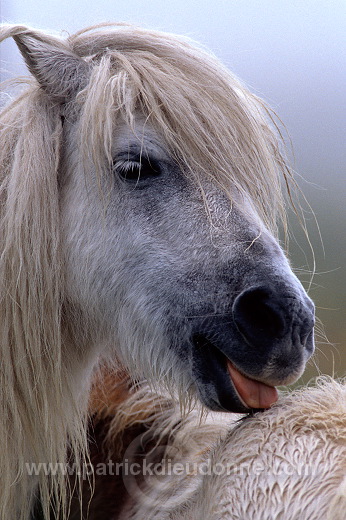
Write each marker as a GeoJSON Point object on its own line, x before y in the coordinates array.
{"type": "Point", "coordinates": [60, 73]}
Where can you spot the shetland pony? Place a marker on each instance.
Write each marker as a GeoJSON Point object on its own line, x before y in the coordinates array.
{"type": "Point", "coordinates": [140, 196]}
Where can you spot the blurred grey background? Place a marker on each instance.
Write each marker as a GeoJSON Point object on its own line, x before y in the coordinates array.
{"type": "Point", "coordinates": [291, 53]}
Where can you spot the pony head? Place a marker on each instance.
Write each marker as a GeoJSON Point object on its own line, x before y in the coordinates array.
{"type": "Point", "coordinates": [140, 195]}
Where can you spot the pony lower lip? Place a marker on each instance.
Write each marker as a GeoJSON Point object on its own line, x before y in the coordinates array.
{"type": "Point", "coordinates": [252, 393]}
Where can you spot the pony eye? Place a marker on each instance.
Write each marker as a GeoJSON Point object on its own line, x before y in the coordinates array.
{"type": "Point", "coordinates": [135, 171]}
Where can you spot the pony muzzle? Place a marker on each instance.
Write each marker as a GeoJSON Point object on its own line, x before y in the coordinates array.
{"type": "Point", "coordinates": [239, 358]}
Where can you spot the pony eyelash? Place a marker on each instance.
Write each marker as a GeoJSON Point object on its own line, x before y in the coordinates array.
{"type": "Point", "coordinates": [137, 170]}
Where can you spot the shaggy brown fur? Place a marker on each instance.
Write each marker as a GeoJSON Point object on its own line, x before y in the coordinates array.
{"type": "Point", "coordinates": [120, 413]}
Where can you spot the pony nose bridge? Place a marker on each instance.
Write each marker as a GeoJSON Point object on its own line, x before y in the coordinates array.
{"type": "Point", "coordinates": [264, 315]}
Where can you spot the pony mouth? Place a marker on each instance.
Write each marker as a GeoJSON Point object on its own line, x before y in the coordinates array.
{"type": "Point", "coordinates": [236, 391]}
{"type": "Point", "coordinates": [252, 393]}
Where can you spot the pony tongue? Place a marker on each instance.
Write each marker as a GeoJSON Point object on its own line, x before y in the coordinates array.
{"type": "Point", "coordinates": [253, 393]}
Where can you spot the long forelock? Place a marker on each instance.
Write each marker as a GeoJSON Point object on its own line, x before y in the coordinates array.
{"type": "Point", "coordinates": [212, 125]}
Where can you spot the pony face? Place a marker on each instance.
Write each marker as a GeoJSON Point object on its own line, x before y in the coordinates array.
{"type": "Point", "coordinates": [167, 194]}
{"type": "Point", "coordinates": [181, 284]}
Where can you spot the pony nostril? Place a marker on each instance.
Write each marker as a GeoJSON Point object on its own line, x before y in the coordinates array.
{"type": "Point", "coordinates": [259, 316]}
{"type": "Point", "coordinates": [307, 340]}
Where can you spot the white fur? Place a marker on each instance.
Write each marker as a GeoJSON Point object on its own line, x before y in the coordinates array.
{"type": "Point", "coordinates": [287, 463]}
